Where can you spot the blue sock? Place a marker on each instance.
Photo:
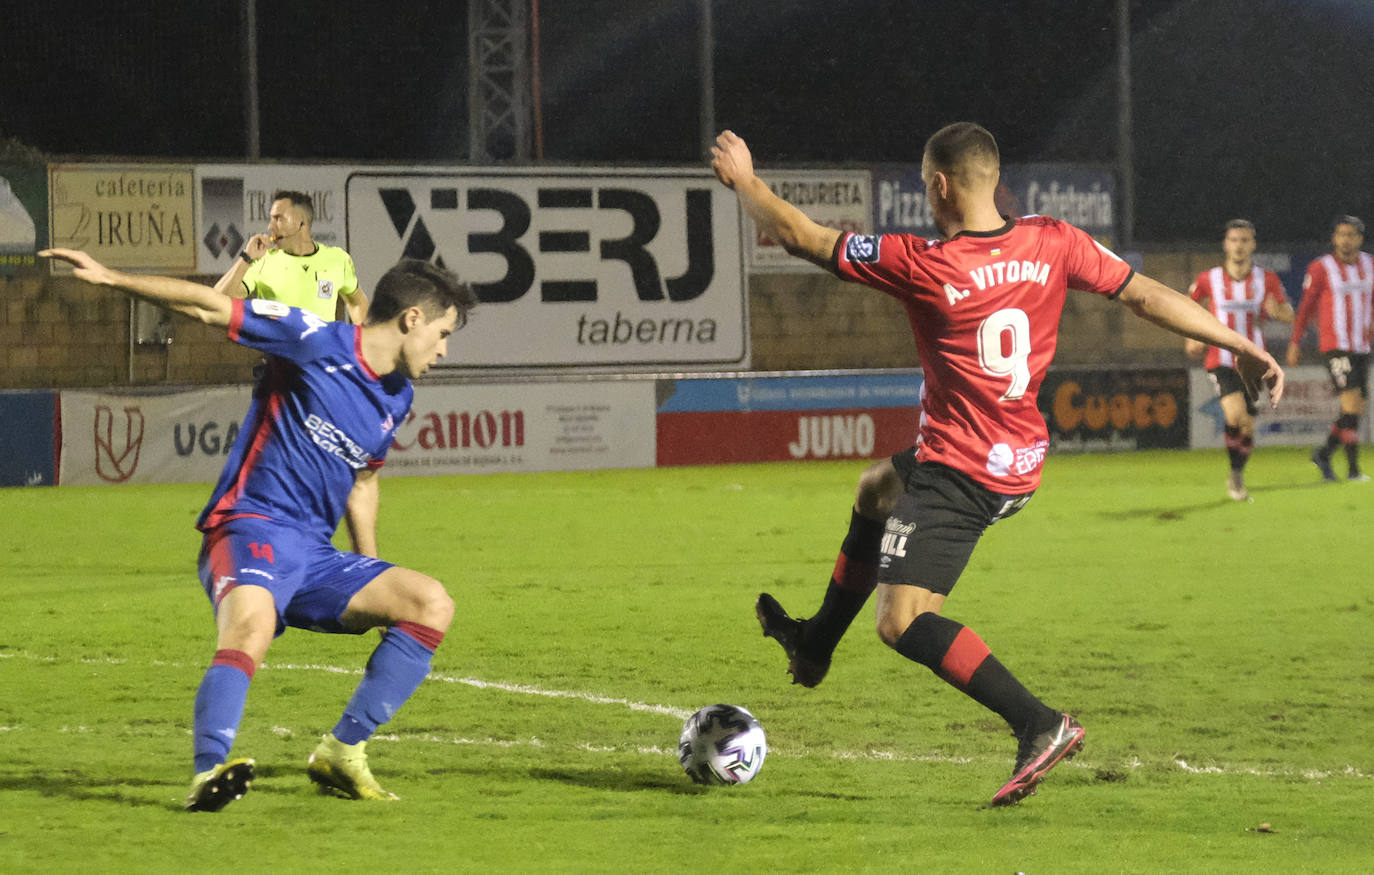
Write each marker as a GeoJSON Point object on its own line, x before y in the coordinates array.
{"type": "Point", "coordinates": [219, 707]}
{"type": "Point", "coordinates": [396, 668]}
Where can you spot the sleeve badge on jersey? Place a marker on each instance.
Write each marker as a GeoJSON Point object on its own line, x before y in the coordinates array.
{"type": "Point", "coordinates": [862, 248]}
{"type": "Point", "coordinates": [270, 309]}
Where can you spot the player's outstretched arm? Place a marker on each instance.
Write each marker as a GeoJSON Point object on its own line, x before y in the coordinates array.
{"type": "Point", "coordinates": [1155, 302]}
{"type": "Point", "coordinates": [200, 302]}
{"type": "Point", "coordinates": [775, 218]}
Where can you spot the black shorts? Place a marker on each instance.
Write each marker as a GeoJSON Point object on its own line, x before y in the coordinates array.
{"type": "Point", "coordinates": [1348, 370]}
{"type": "Point", "coordinates": [937, 522]}
{"type": "Point", "coordinates": [1226, 381]}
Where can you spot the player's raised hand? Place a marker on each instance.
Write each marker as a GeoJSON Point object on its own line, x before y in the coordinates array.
{"type": "Point", "coordinates": [1259, 368]}
{"type": "Point", "coordinates": [86, 267]}
{"type": "Point", "coordinates": [730, 159]}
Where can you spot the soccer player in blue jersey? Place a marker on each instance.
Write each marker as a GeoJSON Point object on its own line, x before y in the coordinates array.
{"type": "Point", "coordinates": [322, 418]}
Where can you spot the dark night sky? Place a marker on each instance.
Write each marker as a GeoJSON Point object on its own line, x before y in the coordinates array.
{"type": "Point", "coordinates": [1258, 108]}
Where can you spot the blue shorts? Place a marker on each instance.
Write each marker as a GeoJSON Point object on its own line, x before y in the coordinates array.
{"type": "Point", "coordinates": [310, 579]}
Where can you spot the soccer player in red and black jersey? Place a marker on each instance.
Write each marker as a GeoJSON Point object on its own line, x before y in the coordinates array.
{"type": "Point", "coordinates": [1339, 291]}
{"type": "Point", "coordinates": [984, 304]}
{"type": "Point", "coordinates": [1240, 294]}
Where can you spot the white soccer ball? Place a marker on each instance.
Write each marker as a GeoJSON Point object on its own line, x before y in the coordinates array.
{"type": "Point", "coordinates": [722, 744]}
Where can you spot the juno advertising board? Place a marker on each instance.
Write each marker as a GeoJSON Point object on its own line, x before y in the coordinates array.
{"type": "Point", "coordinates": [712, 420]}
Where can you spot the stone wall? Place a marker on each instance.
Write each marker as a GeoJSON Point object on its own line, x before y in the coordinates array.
{"type": "Point", "coordinates": [56, 332]}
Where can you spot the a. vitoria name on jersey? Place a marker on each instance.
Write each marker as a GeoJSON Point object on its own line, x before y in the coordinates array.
{"type": "Point", "coordinates": [1010, 272]}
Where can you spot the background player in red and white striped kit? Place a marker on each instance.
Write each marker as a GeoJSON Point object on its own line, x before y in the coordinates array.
{"type": "Point", "coordinates": [1339, 292]}
{"type": "Point", "coordinates": [1240, 294]}
{"type": "Point", "coordinates": [984, 304]}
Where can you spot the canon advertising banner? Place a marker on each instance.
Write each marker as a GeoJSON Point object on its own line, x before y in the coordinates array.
{"type": "Point", "coordinates": [452, 429]}
{"type": "Point", "coordinates": [576, 269]}
{"type": "Point", "coordinates": [485, 429]}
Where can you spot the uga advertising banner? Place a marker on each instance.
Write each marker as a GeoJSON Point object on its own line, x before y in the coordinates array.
{"type": "Point", "coordinates": [766, 419]}
{"type": "Point", "coordinates": [834, 198]}
{"type": "Point", "coordinates": [1082, 195]}
{"type": "Point", "coordinates": [482, 429]}
{"type": "Point", "coordinates": [138, 216]}
{"type": "Point", "coordinates": [1304, 416]}
{"type": "Point", "coordinates": [23, 213]}
{"type": "Point", "coordinates": [574, 268]}
{"type": "Point", "coordinates": [235, 201]}
{"type": "Point", "coordinates": [28, 448]}
{"type": "Point", "coordinates": [181, 438]}
{"type": "Point", "coordinates": [1090, 410]}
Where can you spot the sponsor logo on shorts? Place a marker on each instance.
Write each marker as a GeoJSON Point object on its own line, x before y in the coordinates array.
{"type": "Point", "coordinates": [223, 585]}
{"type": "Point", "coordinates": [862, 248]}
{"type": "Point", "coordinates": [894, 540]}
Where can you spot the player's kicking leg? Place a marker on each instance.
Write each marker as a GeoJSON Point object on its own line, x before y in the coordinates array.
{"type": "Point", "coordinates": [810, 643]}
{"type": "Point", "coordinates": [245, 616]}
{"type": "Point", "coordinates": [417, 612]}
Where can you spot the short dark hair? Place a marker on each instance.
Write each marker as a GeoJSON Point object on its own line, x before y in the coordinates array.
{"type": "Point", "coordinates": [300, 200]}
{"type": "Point", "coordinates": [1245, 224]}
{"type": "Point", "coordinates": [415, 283]}
{"type": "Point", "coordinates": [954, 144]}
{"type": "Point", "coordinates": [1353, 221]}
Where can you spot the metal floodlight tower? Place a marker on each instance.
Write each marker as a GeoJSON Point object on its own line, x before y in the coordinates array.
{"type": "Point", "coordinates": [499, 101]}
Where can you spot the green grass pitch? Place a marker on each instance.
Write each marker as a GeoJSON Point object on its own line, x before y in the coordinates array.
{"type": "Point", "coordinates": [1221, 656]}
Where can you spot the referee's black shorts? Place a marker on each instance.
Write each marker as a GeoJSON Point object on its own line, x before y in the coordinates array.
{"type": "Point", "coordinates": [937, 522]}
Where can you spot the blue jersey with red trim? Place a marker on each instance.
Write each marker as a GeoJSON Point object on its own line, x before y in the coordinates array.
{"type": "Point", "coordinates": [319, 415]}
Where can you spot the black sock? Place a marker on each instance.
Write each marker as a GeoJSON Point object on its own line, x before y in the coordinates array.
{"type": "Point", "coordinates": [1235, 449]}
{"type": "Point", "coordinates": [1346, 424]}
{"type": "Point", "coordinates": [852, 581]}
{"type": "Point", "coordinates": [956, 653]}
{"type": "Point", "coordinates": [1333, 440]}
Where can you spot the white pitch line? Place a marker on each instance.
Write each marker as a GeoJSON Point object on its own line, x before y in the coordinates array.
{"type": "Point", "coordinates": [526, 689]}
{"type": "Point", "coordinates": [682, 714]}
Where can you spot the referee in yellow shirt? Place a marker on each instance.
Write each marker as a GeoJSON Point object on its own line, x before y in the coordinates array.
{"type": "Point", "coordinates": [287, 265]}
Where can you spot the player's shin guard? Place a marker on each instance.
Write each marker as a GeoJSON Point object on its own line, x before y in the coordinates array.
{"type": "Point", "coordinates": [851, 583]}
{"type": "Point", "coordinates": [394, 671]}
{"type": "Point", "coordinates": [219, 707]}
{"type": "Point", "coordinates": [956, 653]}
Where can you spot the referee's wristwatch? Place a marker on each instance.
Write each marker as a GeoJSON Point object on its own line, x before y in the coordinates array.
{"type": "Point", "coordinates": [247, 259]}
